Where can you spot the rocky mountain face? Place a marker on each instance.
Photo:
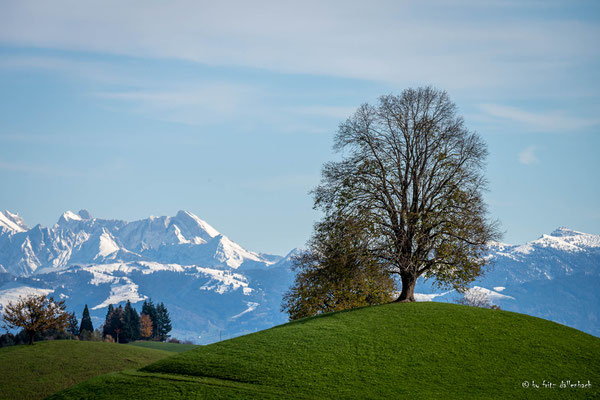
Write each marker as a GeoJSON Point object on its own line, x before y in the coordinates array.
{"type": "Point", "coordinates": [216, 289]}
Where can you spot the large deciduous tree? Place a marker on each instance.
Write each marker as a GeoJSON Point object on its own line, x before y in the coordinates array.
{"type": "Point", "coordinates": [36, 314]}
{"type": "Point", "coordinates": [413, 170]}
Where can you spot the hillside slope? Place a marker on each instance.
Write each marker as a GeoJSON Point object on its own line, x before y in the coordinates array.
{"type": "Point", "coordinates": [417, 350]}
{"type": "Point", "coordinates": [35, 372]}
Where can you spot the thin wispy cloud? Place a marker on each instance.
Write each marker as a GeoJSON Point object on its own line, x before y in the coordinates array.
{"type": "Point", "coordinates": [551, 121]}
{"type": "Point", "coordinates": [102, 72]}
{"type": "Point", "coordinates": [214, 102]}
{"type": "Point", "coordinates": [138, 91]}
{"type": "Point", "coordinates": [197, 103]}
{"type": "Point", "coordinates": [337, 112]}
{"type": "Point", "coordinates": [398, 42]}
{"type": "Point", "coordinates": [44, 170]}
{"type": "Point", "coordinates": [527, 156]}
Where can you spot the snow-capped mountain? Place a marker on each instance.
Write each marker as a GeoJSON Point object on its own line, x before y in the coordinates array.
{"type": "Point", "coordinates": [556, 277]}
{"type": "Point", "coordinates": [214, 288]}
{"type": "Point", "coordinates": [11, 223]}
{"type": "Point", "coordinates": [79, 239]}
{"type": "Point", "coordinates": [208, 282]}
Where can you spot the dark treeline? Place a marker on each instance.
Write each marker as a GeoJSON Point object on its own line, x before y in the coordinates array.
{"type": "Point", "coordinates": [9, 339]}
{"type": "Point", "coordinates": [121, 325]}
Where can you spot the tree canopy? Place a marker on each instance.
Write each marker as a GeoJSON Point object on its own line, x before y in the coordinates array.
{"type": "Point", "coordinates": [413, 170]}
{"type": "Point", "coordinates": [337, 271]}
{"type": "Point", "coordinates": [36, 314]}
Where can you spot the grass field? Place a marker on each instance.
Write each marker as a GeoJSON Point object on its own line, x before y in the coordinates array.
{"type": "Point", "coordinates": [35, 372]}
{"type": "Point", "coordinates": [416, 350]}
{"type": "Point", "coordinates": [172, 347]}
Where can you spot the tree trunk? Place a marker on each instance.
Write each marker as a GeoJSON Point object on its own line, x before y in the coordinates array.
{"type": "Point", "coordinates": [408, 289]}
{"type": "Point", "coordinates": [31, 335]}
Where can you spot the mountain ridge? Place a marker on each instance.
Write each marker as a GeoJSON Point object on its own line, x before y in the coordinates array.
{"type": "Point", "coordinates": [81, 239]}
{"type": "Point", "coordinates": [213, 285]}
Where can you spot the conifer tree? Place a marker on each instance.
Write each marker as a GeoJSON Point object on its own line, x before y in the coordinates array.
{"type": "Point", "coordinates": [163, 322]}
{"type": "Point", "coordinates": [115, 327]}
{"type": "Point", "coordinates": [131, 323]}
{"type": "Point", "coordinates": [86, 322]}
{"type": "Point", "coordinates": [106, 327]}
{"type": "Point", "coordinates": [73, 327]}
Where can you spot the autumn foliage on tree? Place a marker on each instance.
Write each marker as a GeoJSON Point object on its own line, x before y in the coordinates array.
{"type": "Point", "coordinates": [337, 271]}
{"type": "Point", "coordinates": [145, 326]}
{"type": "Point", "coordinates": [36, 314]}
{"type": "Point", "coordinates": [159, 316]}
{"type": "Point", "coordinates": [123, 324]}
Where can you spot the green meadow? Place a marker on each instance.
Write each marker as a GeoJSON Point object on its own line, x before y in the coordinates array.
{"type": "Point", "coordinates": [412, 351]}
{"type": "Point", "coordinates": [35, 372]}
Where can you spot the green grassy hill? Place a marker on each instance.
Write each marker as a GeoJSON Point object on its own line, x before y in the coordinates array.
{"type": "Point", "coordinates": [416, 350]}
{"type": "Point", "coordinates": [35, 372]}
{"type": "Point", "coordinates": [172, 347]}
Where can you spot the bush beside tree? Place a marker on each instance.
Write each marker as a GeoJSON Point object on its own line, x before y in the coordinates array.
{"type": "Point", "coordinates": [337, 272]}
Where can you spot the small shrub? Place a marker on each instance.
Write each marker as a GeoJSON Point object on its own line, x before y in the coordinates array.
{"type": "Point", "coordinates": [97, 335]}
{"type": "Point", "coordinates": [475, 298]}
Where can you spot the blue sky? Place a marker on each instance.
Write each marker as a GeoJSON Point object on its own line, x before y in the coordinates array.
{"type": "Point", "coordinates": [138, 108]}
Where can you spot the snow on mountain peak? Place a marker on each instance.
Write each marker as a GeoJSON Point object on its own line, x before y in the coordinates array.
{"type": "Point", "coordinates": [12, 222]}
{"type": "Point", "coordinates": [79, 239]}
{"type": "Point", "coordinates": [567, 239]}
{"type": "Point", "coordinates": [564, 231]}
{"type": "Point", "coordinates": [188, 218]}
{"type": "Point", "coordinates": [107, 245]}
{"type": "Point", "coordinates": [561, 239]}
{"type": "Point", "coordinates": [232, 254]}
{"type": "Point", "coordinates": [69, 216]}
